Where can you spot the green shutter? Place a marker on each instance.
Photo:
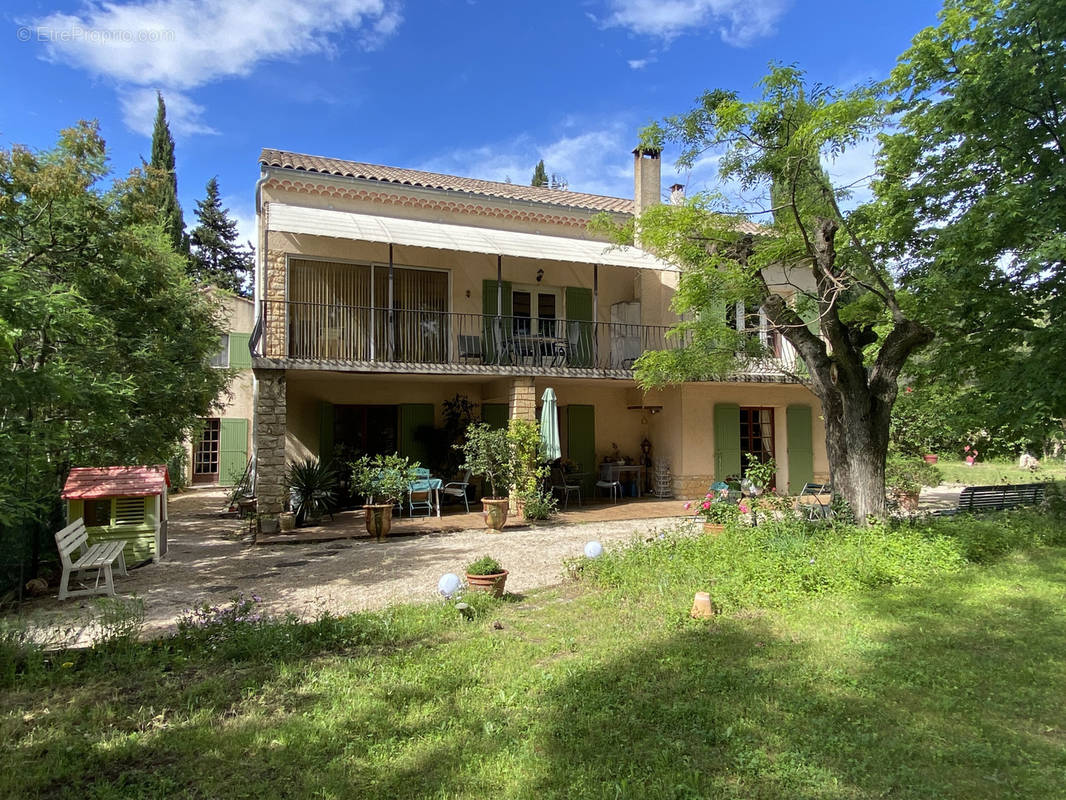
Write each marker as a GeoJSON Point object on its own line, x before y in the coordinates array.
{"type": "Point", "coordinates": [232, 451]}
{"type": "Point", "coordinates": [412, 417]}
{"type": "Point", "coordinates": [239, 357]}
{"type": "Point", "coordinates": [579, 328]}
{"type": "Point", "coordinates": [490, 332]}
{"type": "Point", "coordinates": [325, 432]}
{"type": "Point", "coordinates": [800, 447]}
{"type": "Point", "coordinates": [726, 441]}
{"type": "Point", "coordinates": [581, 442]}
{"type": "Point", "coordinates": [495, 415]}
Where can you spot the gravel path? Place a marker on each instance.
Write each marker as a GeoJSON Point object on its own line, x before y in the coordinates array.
{"type": "Point", "coordinates": [211, 559]}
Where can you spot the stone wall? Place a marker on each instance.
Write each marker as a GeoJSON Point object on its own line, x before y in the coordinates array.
{"type": "Point", "coordinates": [270, 423]}
{"type": "Point", "coordinates": [689, 487]}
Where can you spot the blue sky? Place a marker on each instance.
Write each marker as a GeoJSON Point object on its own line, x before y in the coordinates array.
{"type": "Point", "coordinates": [480, 88]}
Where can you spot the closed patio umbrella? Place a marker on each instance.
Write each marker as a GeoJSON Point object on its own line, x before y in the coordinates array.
{"type": "Point", "coordinates": [549, 425]}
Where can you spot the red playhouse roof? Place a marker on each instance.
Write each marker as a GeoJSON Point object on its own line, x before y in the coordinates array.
{"type": "Point", "coordinates": [88, 483]}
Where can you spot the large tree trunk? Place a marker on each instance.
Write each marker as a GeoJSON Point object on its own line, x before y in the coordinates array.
{"type": "Point", "coordinates": [856, 400]}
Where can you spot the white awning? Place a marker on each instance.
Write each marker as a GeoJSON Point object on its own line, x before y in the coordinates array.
{"type": "Point", "coordinates": [463, 238]}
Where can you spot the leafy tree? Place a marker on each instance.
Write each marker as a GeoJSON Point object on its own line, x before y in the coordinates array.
{"type": "Point", "coordinates": [827, 294]}
{"type": "Point", "coordinates": [216, 256]}
{"type": "Point", "coordinates": [167, 178]}
{"type": "Point", "coordinates": [540, 175]}
{"type": "Point", "coordinates": [104, 342]}
{"type": "Point", "coordinates": [972, 203]}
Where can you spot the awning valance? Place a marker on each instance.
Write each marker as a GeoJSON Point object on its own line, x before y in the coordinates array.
{"type": "Point", "coordinates": [287, 218]}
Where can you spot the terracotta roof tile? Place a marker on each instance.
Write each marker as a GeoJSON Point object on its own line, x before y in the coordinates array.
{"type": "Point", "coordinates": [86, 483]}
{"type": "Point", "coordinates": [433, 180]}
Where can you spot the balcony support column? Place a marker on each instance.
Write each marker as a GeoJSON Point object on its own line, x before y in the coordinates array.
{"type": "Point", "coordinates": [270, 426]}
{"type": "Point", "coordinates": [523, 401]}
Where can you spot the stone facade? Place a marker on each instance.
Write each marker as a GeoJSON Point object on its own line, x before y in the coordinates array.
{"type": "Point", "coordinates": [523, 403]}
{"type": "Point", "coordinates": [689, 487]}
{"type": "Point", "coordinates": [270, 426]}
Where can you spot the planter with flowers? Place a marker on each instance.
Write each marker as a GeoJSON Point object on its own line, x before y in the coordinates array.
{"type": "Point", "coordinates": [383, 481]}
{"type": "Point", "coordinates": [717, 511]}
{"type": "Point", "coordinates": [905, 477]}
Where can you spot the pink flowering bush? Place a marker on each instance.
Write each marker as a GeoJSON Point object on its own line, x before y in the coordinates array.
{"type": "Point", "coordinates": [971, 455]}
{"type": "Point", "coordinates": [716, 508]}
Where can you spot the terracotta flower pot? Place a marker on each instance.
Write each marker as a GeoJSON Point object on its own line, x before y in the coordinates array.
{"type": "Point", "coordinates": [908, 501]}
{"type": "Point", "coordinates": [713, 528]}
{"type": "Point", "coordinates": [495, 512]}
{"type": "Point", "coordinates": [488, 583]}
{"type": "Point", "coordinates": [930, 458]}
{"type": "Point", "coordinates": [378, 520]}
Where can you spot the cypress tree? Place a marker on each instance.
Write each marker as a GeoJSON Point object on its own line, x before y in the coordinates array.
{"type": "Point", "coordinates": [216, 256]}
{"type": "Point", "coordinates": [540, 175]}
{"type": "Point", "coordinates": [162, 164]}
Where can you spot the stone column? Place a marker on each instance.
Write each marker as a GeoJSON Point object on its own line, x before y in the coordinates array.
{"type": "Point", "coordinates": [270, 425]}
{"type": "Point", "coordinates": [276, 312]}
{"type": "Point", "coordinates": [523, 404]}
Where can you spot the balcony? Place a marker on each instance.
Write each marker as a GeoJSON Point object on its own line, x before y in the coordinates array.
{"type": "Point", "coordinates": [367, 339]}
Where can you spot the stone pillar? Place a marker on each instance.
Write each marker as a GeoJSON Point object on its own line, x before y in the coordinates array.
{"type": "Point", "coordinates": [523, 404]}
{"type": "Point", "coordinates": [270, 425]}
{"type": "Point", "coordinates": [276, 312]}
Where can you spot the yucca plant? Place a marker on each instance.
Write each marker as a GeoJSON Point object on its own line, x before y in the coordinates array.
{"type": "Point", "coordinates": [313, 488]}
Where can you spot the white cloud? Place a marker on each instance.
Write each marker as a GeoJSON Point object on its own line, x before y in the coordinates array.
{"type": "Point", "coordinates": [598, 161]}
{"type": "Point", "coordinates": [853, 169]}
{"type": "Point", "coordinates": [739, 22]}
{"type": "Point", "coordinates": [639, 63]}
{"type": "Point", "coordinates": [180, 45]}
{"type": "Point", "coordinates": [184, 116]}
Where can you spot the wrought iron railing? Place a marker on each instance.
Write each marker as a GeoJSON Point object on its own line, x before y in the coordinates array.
{"type": "Point", "coordinates": [359, 334]}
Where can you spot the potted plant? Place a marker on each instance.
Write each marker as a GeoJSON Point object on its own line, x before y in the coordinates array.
{"type": "Point", "coordinates": [489, 453]}
{"type": "Point", "coordinates": [905, 477]}
{"type": "Point", "coordinates": [486, 575]}
{"type": "Point", "coordinates": [383, 481]}
{"type": "Point", "coordinates": [717, 511]}
{"type": "Point", "coordinates": [312, 489]}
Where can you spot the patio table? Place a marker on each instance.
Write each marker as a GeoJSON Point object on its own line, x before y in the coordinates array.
{"type": "Point", "coordinates": [432, 486]}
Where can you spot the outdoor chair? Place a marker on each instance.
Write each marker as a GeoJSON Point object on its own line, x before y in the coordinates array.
{"type": "Point", "coordinates": [813, 508]}
{"type": "Point", "coordinates": [458, 489]}
{"type": "Point", "coordinates": [420, 486]}
{"type": "Point", "coordinates": [470, 348]}
{"type": "Point", "coordinates": [609, 482]}
{"type": "Point", "coordinates": [561, 486]}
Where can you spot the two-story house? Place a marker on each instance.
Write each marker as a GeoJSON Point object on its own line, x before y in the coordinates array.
{"type": "Point", "coordinates": [383, 292]}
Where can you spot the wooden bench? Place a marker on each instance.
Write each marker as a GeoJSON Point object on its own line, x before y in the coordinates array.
{"type": "Point", "coordinates": [978, 499]}
{"type": "Point", "coordinates": [100, 557]}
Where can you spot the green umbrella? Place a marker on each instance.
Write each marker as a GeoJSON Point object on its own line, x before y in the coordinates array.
{"type": "Point", "coordinates": [549, 425]}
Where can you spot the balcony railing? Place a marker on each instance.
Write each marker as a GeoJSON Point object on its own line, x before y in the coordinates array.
{"type": "Point", "coordinates": [360, 335]}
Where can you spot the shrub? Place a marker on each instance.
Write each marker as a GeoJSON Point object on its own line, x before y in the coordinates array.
{"type": "Point", "coordinates": [313, 488]}
{"type": "Point", "coordinates": [383, 479]}
{"type": "Point", "coordinates": [486, 565]}
{"type": "Point", "coordinates": [539, 505]}
{"type": "Point", "coordinates": [489, 453]}
{"type": "Point", "coordinates": [907, 475]}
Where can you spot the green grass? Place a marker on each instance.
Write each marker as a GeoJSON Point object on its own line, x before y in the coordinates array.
{"type": "Point", "coordinates": [988, 473]}
{"type": "Point", "coordinates": [946, 679]}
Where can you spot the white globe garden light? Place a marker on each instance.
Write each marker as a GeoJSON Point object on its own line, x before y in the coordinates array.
{"type": "Point", "coordinates": [593, 550]}
{"type": "Point", "coordinates": [448, 584]}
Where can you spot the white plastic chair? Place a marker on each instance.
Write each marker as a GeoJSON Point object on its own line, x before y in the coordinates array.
{"type": "Point", "coordinates": [609, 482]}
{"type": "Point", "coordinates": [458, 489]}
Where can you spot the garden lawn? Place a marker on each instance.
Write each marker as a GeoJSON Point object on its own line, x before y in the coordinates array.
{"type": "Point", "coordinates": [954, 686]}
{"type": "Point", "coordinates": [989, 473]}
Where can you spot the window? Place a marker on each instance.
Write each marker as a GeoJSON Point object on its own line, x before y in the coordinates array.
{"type": "Point", "coordinates": [221, 358]}
{"type": "Point", "coordinates": [97, 513]}
{"type": "Point", "coordinates": [205, 457]}
{"type": "Point", "coordinates": [535, 311]}
{"type": "Point", "coordinates": [755, 323]}
{"type": "Point", "coordinates": [129, 511]}
{"type": "Point", "coordinates": [756, 436]}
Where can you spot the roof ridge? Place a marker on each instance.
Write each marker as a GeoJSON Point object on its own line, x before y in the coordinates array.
{"type": "Point", "coordinates": [439, 180]}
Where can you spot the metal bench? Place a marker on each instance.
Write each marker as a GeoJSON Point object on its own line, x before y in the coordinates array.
{"type": "Point", "coordinates": [978, 499]}
{"type": "Point", "coordinates": [809, 501]}
{"type": "Point", "coordinates": [100, 557]}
